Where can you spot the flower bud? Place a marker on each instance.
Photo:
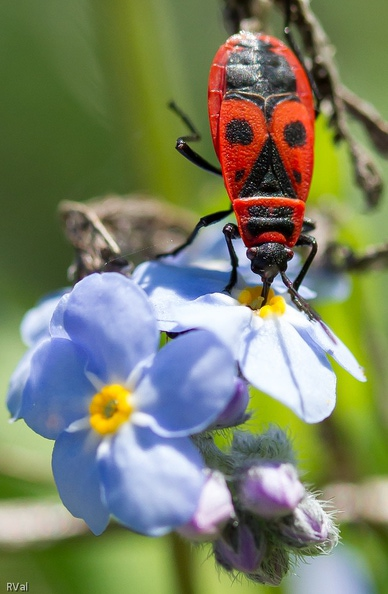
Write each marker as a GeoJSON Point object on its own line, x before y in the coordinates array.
{"type": "Point", "coordinates": [240, 548]}
{"type": "Point", "coordinates": [271, 489]}
{"type": "Point", "coordinates": [309, 527]}
{"type": "Point", "coordinates": [235, 412]}
{"type": "Point", "coordinates": [273, 568]}
{"type": "Point", "coordinates": [215, 508]}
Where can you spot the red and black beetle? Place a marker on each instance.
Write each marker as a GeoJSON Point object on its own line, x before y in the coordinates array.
{"type": "Point", "coordinates": [262, 113]}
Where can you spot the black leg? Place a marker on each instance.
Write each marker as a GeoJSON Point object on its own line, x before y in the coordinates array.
{"type": "Point", "coordinates": [186, 151]}
{"type": "Point", "coordinates": [231, 232]}
{"type": "Point", "coordinates": [205, 221]}
{"type": "Point", "coordinates": [182, 143]}
{"type": "Point", "coordinates": [311, 242]}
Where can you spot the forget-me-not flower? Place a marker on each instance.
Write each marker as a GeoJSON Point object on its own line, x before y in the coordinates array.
{"type": "Point", "coordinates": [121, 411]}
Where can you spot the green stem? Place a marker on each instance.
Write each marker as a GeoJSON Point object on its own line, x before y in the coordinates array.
{"type": "Point", "coordinates": [182, 555]}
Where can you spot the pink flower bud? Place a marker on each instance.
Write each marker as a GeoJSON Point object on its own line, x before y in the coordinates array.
{"type": "Point", "coordinates": [271, 489]}
{"type": "Point", "coordinates": [215, 508]}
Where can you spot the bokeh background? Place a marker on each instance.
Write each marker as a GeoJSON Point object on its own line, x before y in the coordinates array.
{"type": "Point", "coordinates": [84, 87]}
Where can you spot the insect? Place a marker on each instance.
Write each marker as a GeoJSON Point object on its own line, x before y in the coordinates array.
{"type": "Point", "coordinates": [262, 114]}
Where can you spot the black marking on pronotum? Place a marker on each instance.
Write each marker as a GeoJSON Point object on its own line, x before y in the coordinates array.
{"type": "Point", "coordinates": [260, 210]}
{"type": "Point", "coordinates": [263, 218]}
{"type": "Point", "coordinates": [259, 70]}
{"type": "Point", "coordinates": [256, 226]}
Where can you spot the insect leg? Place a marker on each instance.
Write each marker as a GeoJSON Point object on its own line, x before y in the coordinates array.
{"type": "Point", "coordinates": [311, 242]}
{"type": "Point", "coordinates": [231, 232]}
{"type": "Point", "coordinates": [183, 147]}
{"type": "Point", "coordinates": [204, 221]}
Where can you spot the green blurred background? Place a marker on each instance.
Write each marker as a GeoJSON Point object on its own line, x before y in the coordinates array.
{"type": "Point", "coordinates": [84, 89]}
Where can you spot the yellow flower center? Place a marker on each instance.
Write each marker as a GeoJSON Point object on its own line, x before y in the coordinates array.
{"type": "Point", "coordinates": [110, 408]}
{"type": "Point", "coordinates": [251, 297]}
{"type": "Point", "coordinates": [276, 306]}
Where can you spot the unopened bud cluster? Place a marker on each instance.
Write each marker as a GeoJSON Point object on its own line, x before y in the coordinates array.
{"type": "Point", "coordinates": [256, 511]}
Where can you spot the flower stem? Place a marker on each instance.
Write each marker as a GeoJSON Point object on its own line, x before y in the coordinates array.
{"type": "Point", "coordinates": [183, 564]}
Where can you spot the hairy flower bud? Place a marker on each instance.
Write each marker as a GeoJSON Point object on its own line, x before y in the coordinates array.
{"type": "Point", "coordinates": [271, 489]}
{"type": "Point", "coordinates": [309, 527]}
{"type": "Point", "coordinates": [273, 568]}
{"type": "Point", "coordinates": [240, 548]}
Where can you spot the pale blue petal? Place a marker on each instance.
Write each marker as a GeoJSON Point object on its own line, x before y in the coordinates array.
{"type": "Point", "coordinates": [168, 283]}
{"type": "Point", "coordinates": [35, 327]}
{"type": "Point", "coordinates": [56, 323]}
{"type": "Point", "coordinates": [278, 361]}
{"type": "Point", "coordinates": [110, 317]}
{"type": "Point", "coordinates": [209, 249]}
{"type": "Point", "coordinates": [35, 323]}
{"type": "Point", "coordinates": [77, 478]}
{"type": "Point", "coordinates": [17, 383]}
{"type": "Point", "coordinates": [313, 332]}
{"type": "Point", "coordinates": [152, 485]}
{"type": "Point", "coordinates": [216, 312]}
{"type": "Point", "coordinates": [204, 267]}
{"type": "Point", "coordinates": [57, 391]}
{"type": "Point", "coordinates": [191, 381]}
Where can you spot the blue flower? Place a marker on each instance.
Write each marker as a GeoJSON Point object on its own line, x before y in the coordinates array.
{"type": "Point", "coordinates": [121, 411]}
{"type": "Point", "coordinates": [279, 350]}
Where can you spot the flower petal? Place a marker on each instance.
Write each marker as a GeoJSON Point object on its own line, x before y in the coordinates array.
{"type": "Point", "coordinates": [17, 383]}
{"type": "Point", "coordinates": [57, 391]}
{"type": "Point", "coordinates": [279, 362]}
{"type": "Point", "coordinates": [216, 312]}
{"type": "Point", "coordinates": [152, 485]}
{"type": "Point", "coordinates": [111, 318]}
{"type": "Point", "coordinates": [35, 323]}
{"type": "Point", "coordinates": [190, 383]}
{"type": "Point", "coordinates": [56, 322]}
{"type": "Point", "coordinates": [331, 344]}
{"type": "Point", "coordinates": [76, 475]}
{"type": "Point", "coordinates": [164, 282]}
